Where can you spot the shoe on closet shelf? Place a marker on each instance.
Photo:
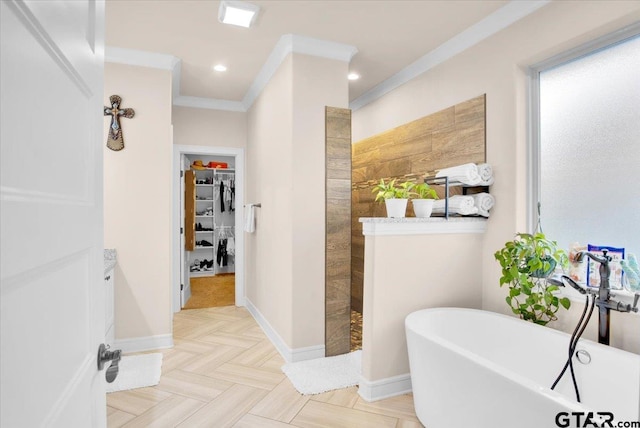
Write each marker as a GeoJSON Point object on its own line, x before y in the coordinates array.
{"type": "Point", "coordinates": [206, 243]}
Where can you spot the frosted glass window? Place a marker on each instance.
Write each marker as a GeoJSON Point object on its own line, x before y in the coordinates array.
{"type": "Point", "coordinates": [590, 148]}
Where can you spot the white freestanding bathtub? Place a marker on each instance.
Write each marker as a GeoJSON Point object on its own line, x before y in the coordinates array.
{"type": "Point", "coordinates": [477, 369]}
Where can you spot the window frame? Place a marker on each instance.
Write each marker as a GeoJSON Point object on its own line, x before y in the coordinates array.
{"type": "Point", "coordinates": [533, 147]}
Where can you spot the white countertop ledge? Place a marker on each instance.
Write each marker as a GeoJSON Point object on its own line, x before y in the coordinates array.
{"type": "Point", "coordinates": [380, 226]}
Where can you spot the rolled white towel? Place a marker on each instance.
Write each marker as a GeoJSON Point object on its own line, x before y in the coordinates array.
{"type": "Point", "coordinates": [465, 174]}
{"type": "Point", "coordinates": [249, 218]}
{"type": "Point", "coordinates": [486, 174]}
{"type": "Point", "coordinates": [484, 202]}
{"type": "Point", "coordinates": [485, 171]}
{"type": "Point", "coordinates": [464, 205]}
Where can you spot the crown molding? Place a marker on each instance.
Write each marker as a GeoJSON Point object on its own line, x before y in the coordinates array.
{"type": "Point", "coordinates": [497, 21]}
{"type": "Point", "coordinates": [322, 48]}
{"type": "Point", "coordinates": [141, 58]}
{"type": "Point", "coordinates": [208, 103]}
{"type": "Point", "coordinates": [288, 43]}
{"type": "Point", "coordinates": [294, 43]}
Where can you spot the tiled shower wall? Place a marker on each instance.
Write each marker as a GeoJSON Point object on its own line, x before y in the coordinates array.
{"type": "Point", "coordinates": [338, 231]}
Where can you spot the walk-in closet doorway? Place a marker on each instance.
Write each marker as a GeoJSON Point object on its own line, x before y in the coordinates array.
{"type": "Point", "coordinates": [218, 238]}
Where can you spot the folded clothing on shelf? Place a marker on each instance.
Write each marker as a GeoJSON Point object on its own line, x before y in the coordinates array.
{"type": "Point", "coordinates": [463, 205]}
{"type": "Point", "coordinates": [214, 164]}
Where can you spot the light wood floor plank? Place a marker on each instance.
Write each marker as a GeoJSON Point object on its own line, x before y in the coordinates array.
{"type": "Point", "coordinates": [400, 407]}
{"type": "Point", "coordinates": [207, 363]}
{"type": "Point", "coordinates": [226, 409]}
{"type": "Point", "coordinates": [193, 346]}
{"type": "Point", "coordinates": [274, 363]}
{"type": "Point", "coordinates": [253, 421]}
{"type": "Point", "coordinates": [194, 329]}
{"type": "Point", "coordinates": [256, 332]}
{"type": "Point", "coordinates": [175, 358]}
{"type": "Point", "coordinates": [402, 423]}
{"type": "Point", "coordinates": [136, 401]}
{"type": "Point", "coordinates": [321, 415]}
{"type": "Point", "coordinates": [228, 339]}
{"type": "Point", "coordinates": [256, 377]}
{"type": "Point", "coordinates": [257, 355]}
{"type": "Point", "coordinates": [346, 397]}
{"type": "Point", "coordinates": [193, 385]}
{"type": "Point", "coordinates": [117, 418]}
{"type": "Point", "coordinates": [239, 326]}
{"type": "Point", "coordinates": [282, 404]}
{"type": "Point", "coordinates": [168, 413]}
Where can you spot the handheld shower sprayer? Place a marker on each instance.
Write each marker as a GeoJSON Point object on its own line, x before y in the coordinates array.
{"type": "Point", "coordinates": [560, 281]}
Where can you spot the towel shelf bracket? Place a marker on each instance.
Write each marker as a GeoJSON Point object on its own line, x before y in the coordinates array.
{"type": "Point", "coordinates": [447, 183]}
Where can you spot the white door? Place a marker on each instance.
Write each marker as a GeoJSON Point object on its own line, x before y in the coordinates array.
{"type": "Point", "coordinates": [51, 265]}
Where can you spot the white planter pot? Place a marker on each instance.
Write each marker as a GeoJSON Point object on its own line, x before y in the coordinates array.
{"type": "Point", "coordinates": [396, 208]}
{"type": "Point", "coordinates": [422, 207]}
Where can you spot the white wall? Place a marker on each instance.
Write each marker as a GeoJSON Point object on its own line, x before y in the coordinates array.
{"type": "Point", "coordinates": [137, 202]}
{"type": "Point", "coordinates": [285, 164]}
{"type": "Point", "coordinates": [269, 251]}
{"type": "Point", "coordinates": [404, 274]}
{"type": "Point", "coordinates": [205, 127]}
{"type": "Point", "coordinates": [498, 67]}
{"type": "Point", "coordinates": [317, 83]}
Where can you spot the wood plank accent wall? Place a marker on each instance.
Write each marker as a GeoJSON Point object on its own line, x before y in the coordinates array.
{"type": "Point", "coordinates": [338, 231]}
{"type": "Point", "coordinates": [453, 136]}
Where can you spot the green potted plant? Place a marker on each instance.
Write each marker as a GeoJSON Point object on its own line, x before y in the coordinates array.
{"type": "Point", "coordinates": [526, 263]}
{"type": "Point", "coordinates": [422, 200]}
{"type": "Point", "coordinates": [394, 195]}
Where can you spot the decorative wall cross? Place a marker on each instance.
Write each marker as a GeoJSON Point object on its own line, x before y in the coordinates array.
{"type": "Point", "coordinates": [115, 139]}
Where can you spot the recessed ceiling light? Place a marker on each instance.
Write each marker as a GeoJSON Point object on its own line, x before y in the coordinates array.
{"type": "Point", "coordinates": [238, 13]}
{"type": "Point", "coordinates": [219, 67]}
{"type": "Point", "coordinates": [353, 76]}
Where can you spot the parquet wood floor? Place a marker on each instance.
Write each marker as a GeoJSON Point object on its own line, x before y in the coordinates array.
{"type": "Point", "coordinates": [224, 372]}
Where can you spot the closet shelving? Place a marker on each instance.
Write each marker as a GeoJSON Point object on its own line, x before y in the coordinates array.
{"type": "Point", "coordinates": [447, 184]}
{"type": "Point", "coordinates": [202, 207]}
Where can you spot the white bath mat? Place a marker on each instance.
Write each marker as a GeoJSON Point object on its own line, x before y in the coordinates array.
{"type": "Point", "coordinates": [137, 371]}
{"type": "Point", "coordinates": [325, 374]}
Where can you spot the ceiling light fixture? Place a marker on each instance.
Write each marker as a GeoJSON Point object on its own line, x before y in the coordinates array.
{"type": "Point", "coordinates": [238, 13]}
{"type": "Point", "coordinates": [353, 76]}
{"type": "Point", "coordinates": [219, 67]}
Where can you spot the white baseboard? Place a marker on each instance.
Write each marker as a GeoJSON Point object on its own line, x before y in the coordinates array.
{"type": "Point", "coordinates": [289, 355]}
{"type": "Point", "coordinates": [384, 388]}
{"type": "Point", "coordinates": [307, 353]}
{"type": "Point", "coordinates": [148, 343]}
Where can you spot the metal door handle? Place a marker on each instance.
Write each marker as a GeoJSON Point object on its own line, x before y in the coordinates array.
{"type": "Point", "coordinates": [104, 355]}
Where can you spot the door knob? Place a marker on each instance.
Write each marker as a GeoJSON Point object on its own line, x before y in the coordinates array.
{"type": "Point", "coordinates": [104, 355]}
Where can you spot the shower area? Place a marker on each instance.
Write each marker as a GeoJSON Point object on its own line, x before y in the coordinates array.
{"type": "Point", "coordinates": [452, 136]}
